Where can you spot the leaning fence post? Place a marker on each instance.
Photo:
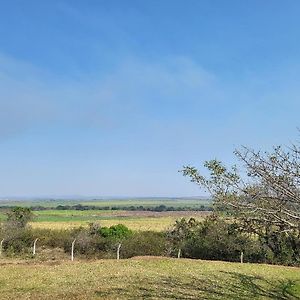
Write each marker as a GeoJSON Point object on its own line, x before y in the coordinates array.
{"type": "Point", "coordinates": [34, 246]}
{"type": "Point", "coordinates": [118, 251]}
{"type": "Point", "coordinates": [72, 250]}
{"type": "Point", "coordinates": [1, 247]}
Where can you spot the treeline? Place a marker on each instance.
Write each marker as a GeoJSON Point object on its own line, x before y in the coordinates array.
{"type": "Point", "coordinates": [158, 208]}
{"type": "Point", "coordinates": [80, 207]}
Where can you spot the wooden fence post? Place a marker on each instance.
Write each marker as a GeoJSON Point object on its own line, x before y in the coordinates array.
{"type": "Point", "coordinates": [72, 250]}
{"type": "Point", "coordinates": [179, 253]}
{"type": "Point", "coordinates": [118, 251]}
{"type": "Point", "coordinates": [242, 257]}
{"type": "Point", "coordinates": [1, 247]}
{"type": "Point", "coordinates": [34, 247]}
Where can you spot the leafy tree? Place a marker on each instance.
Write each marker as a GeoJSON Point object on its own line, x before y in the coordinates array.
{"type": "Point", "coordinates": [264, 196]}
{"type": "Point", "coordinates": [178, 234]}
{"type": "Point", "coordinates": [217, 239]}
{"type": "Point", "coordinates": [116, 233]}
{"type": "Point", "coordinates": [17, 237]}
{"type": "Point", "coordinates": [18, 217]}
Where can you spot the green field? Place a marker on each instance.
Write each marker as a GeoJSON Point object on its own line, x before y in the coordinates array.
{"type": "Point", "coordinates": [135, 220]}
{"type": "Point", "coordinates": [58, 219]}
{"type": "Point", "coordinates": [147, 278]}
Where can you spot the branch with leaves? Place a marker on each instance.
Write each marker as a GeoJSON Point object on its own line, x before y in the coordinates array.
{"type": "Point", "coordinates": [267, 192]}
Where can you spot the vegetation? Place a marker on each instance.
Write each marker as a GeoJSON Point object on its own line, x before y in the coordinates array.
{"type": "Point", "coordinates": [135, 220]}
{"type": "Point", "coordinates": [137, 214]}
{"type": "Point", "coordinates": [215, 239]}
{"type": "Point", "coordinates": [47, 274]}
{"type": "Point", "coordinates": [265, 202]}
{"type": "Point", "coordinates": [212, 238]}
{"type": "Point", "coordinates": [18, 217]}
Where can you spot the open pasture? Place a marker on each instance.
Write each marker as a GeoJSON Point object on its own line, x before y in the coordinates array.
{"type": "Point", "coordinates": [135, 220]}
{"type": "Point", "coordinates": [147, 278]}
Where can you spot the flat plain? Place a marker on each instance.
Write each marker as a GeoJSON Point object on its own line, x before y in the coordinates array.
{"type": "Point", "coordinates": [52, 218]}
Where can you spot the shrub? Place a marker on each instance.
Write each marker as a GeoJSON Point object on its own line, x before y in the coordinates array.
{"type": "Point", "coordinates": [17, 241]}
{"type": "Point", "coordinates": [119, 231]}
{"type": "Point", "coordinates": [144, 243]}
{"type": "Point", "coordinates": [216, 239]}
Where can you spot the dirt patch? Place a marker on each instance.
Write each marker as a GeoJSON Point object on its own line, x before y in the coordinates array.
{"type": "Point", "coordinates": [148, 257]}
{"type": "Point", "coordinates": [156, 214]}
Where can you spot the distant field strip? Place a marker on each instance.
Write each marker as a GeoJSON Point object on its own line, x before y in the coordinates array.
{"type": "Point", "coordinates": [151, 202]}
{"type": "Point", "coordinates": [135, 220]}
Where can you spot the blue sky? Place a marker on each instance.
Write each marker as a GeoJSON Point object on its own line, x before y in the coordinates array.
{"type": "Point", "coordinates": [111, 98]}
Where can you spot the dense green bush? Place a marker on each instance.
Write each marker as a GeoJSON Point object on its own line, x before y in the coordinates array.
{"type": "Point", "coordinates": [119, 231]}
{"type": "Point", "coordinates": [281, 248]}
{"type": "Point", "coordinates": [214, 239]}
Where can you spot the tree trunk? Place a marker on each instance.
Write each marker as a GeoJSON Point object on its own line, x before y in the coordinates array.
{"type": "Point", "coordinates": [118, 251]}
{"type": "Point", "coordinates": [72, 250]}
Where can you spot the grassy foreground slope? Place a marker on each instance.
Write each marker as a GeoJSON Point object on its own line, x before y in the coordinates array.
{"type": "Point", "coordinates": [147, 278]}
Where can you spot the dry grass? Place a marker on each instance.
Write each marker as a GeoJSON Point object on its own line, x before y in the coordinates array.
{"type": "Point", "coordinates": [149, 278]}
{"type": "Point", "coordinates": [139, 224]}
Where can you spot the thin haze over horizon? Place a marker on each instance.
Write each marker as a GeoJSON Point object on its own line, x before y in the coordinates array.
{"type": "Point", "coordinates": [114, 97]}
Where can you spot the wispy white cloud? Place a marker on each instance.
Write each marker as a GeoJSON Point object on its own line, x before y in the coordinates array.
{"type": "Point", "coordinates": [139, 93]}
{"type": "Point", "coordinates": [30, 97]}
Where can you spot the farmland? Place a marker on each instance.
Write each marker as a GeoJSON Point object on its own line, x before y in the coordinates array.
{"type": "Point", "coordinates": [147, 278]}
{"type": "Point", "coordinates": [136, 220]}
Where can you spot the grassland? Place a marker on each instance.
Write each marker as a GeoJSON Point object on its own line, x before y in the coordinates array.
{"type": "Point", "coordinates": [135, 220]}
{"type": "Point", "coordinates": [147, 278]}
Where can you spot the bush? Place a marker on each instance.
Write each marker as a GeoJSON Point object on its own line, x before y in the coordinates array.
{"type": "Point", "coordinates": [18, 241]}
{"type": "Point", "coordinates": [144, 243]}
{"type": "Point", "coordinates": [52, 238]}
{"type": "Point", "coordinates": [214, 239]}
{"type": "Point", "coordinates": [119, 231]}
{"type": "Point", "coordinates": [281, 248]}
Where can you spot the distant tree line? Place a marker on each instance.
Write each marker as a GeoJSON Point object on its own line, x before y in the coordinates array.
{"type": "Point", "coordinates": [157, 208]}
{"type": "Point", "coordinates": [80, 207]}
